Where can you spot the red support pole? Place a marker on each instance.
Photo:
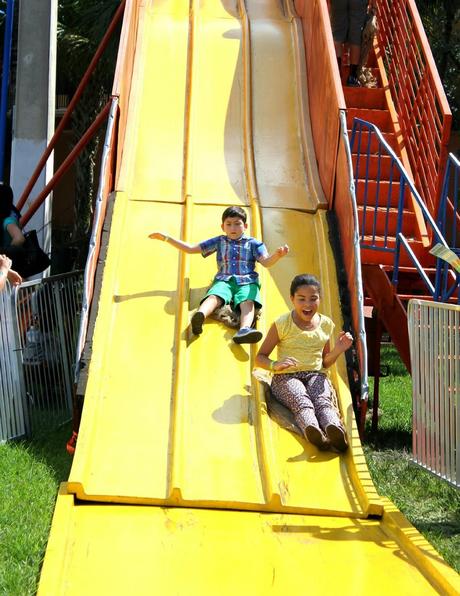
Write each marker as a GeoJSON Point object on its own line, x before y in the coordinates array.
{"type": "Point", "coordinates": [67, 162]}
{"type": "Point", "coordinates": [70, 108]}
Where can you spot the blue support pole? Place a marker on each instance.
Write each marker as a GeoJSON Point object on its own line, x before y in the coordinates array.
{"type": "Point", "coordinates": [5, 81]}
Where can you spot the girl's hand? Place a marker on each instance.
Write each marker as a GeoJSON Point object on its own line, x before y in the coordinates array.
{"type": "Point", "coordinates": [282, 251]}
{"type": "Point", "coordinates": [345, 341]}
{"type": "Point", "coordinates": [289, 362]}
{"type": "Point", "coordinates": [157, 236]}
{"type": "Point", "coordinates": [5, 262]}
{"type": "Point", "coordinates": [14, 278]}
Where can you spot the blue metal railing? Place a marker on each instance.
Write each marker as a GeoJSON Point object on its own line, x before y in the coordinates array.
{"type": "Point", "coordinates": [369, 145]}
{"type": "Point", "coordinates": [448, 221]}
{"type": "Point", "coordinates": [8, 36]}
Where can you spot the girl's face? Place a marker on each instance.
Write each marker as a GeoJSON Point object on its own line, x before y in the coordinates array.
{"type": "Point", "coordinates": [306, 302]}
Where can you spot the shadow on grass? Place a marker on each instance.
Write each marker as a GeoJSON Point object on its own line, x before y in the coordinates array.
{"type": "Point", "coordinates": [447, 528]}
{"type": "Point", "coordinates": [388, 439]}
{"type": "Point", "coordinates": [50, 448]}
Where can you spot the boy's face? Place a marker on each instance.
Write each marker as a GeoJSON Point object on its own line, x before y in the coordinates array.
{"type": "Point", "coordinates": [234, 227]}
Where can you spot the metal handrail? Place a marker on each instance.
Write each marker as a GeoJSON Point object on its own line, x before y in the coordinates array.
{"type": "Point", "coordinates": [451, 184]}
{"type": "Point", "coordinates": [449, 205]}
{"type": "Point", "coordinates": [98, 221]}
{"type": "Point", "coordinates": [404, 182]}
{"type": "Point", "coordinates": [357, 256]}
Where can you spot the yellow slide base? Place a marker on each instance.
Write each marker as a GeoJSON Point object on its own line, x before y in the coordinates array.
{"type": "Point", "coordinates": [120, 550]}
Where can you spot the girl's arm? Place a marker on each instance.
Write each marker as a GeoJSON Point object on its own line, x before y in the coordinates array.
{"type": "Point", "coordinates": [5, 264]}
{"type": "Point", "coordinates": [17, 237]}
{"type": "Point", "coordinates": [267, 347]}
{"type": "Point", "coordinates": [344, 342]}
{"type": "Point", "coordinates": [14, 278]}
{"type": "Point", "coordinates": [184, 246]}
{"type": "Point", "coordinates": [279, 253]}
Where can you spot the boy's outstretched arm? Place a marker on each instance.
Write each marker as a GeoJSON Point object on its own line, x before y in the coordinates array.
{"type": "Point", "coordinates": [279, 253]}
{"type": "Point", "coordinates": [344, 343]}
{"type": "Point", "coordinates": [184, 246]}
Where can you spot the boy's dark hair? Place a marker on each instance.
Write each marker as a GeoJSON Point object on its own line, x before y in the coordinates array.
{"type": "Point", "coordinates": [234, 212]}
{"type": "Point", "coordinates": [304, 279]}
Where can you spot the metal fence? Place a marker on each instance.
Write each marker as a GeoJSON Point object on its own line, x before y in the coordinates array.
{"type": "Point", "coordinates": [13, 413]}
{"type": "Point", "coordinates": [434, 335]}
{"type": "Point", "coordinates": [39, 325]}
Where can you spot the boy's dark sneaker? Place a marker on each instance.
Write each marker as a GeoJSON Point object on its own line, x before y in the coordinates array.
{"type": "Point", "coordinates": [197, 323]}
{"type": "Point", "coordinates": [316, 437]}
{"type": "Point", "coordinates": [246, 335]}
{"type": "Point", "coordinates": [337, 437]}
{"type": "Point", "coordinates": [353, 81]}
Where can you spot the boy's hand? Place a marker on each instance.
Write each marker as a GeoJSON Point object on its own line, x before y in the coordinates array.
{"type": "Point", "coordinates": [345, 341]}
{"type": "Point", "coordinates": [157, 236]}
{"type": "Point", "coordinates": [282, 251]}
{"type": "Point", "coordinates": [14, 278]}
{"type": "Point", "coordinates": [289, 362]}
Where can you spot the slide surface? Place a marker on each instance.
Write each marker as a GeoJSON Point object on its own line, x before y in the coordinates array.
{"type": "Point", "coordinates": [181, 482]}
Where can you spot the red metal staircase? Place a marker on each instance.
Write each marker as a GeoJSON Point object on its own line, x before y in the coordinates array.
{"type": "Point", "coordinates": [374, 176]}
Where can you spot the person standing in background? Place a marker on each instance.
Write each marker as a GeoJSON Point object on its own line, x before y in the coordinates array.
{"type": "Point", "coordinates": [347, 19]}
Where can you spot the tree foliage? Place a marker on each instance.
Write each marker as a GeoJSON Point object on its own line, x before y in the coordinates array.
{"type": "Point", "coordinates": [441, 19]}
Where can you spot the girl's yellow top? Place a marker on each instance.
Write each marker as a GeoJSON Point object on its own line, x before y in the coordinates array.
{"type": "Point", "coordinates": [306, 346]}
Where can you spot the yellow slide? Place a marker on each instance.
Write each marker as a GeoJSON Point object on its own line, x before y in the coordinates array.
{"type": "Point", "coordinates": [181, 483]}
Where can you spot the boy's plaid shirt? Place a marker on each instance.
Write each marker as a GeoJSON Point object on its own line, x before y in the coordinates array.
{"type": "Point", "coordinates": [235, 258]}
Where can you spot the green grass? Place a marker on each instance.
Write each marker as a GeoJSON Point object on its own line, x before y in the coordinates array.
{"type": "Point", "coordinates": [30, 473]}
{"type": "Point", "coordinates": [429, 503]}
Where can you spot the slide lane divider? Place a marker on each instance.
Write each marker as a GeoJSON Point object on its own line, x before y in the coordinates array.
{"type": "Point", "coordinates": [176, 462]}
{"type": "Point", "coordinates": [268, 466]}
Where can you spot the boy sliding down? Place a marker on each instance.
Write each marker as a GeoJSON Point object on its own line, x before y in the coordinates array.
{"type": "Point", "coordinates": [236, 281]}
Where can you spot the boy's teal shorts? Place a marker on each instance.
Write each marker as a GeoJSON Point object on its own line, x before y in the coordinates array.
{"type": "Point", "coordinates": [231, 292]}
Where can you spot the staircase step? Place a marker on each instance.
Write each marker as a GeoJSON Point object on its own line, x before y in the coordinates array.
{"type": "Point", "coordinates": [382, 193]}
{"type": "Point", "coordinates": [383, 221]}
{"type": "Point", "coordinates": [372, 60]}
{"type": "Point", "coordinates": [363, 97]}
{"type": "Point", "coordinates": [371, 256]}
{"type": "Point", "coordinates": [373, 165]}
{"type": "Point", "coordinates": [381, 118]}
{"type": "Point", "coordinates": [375, 145]}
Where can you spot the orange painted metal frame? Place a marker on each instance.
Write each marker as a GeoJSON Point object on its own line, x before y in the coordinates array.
{"type": "Point", "coordinates": [417, 93]}
{"type": "Point", "coordinates": [69, 160]}
{"type": "Point", "coordinates": [125, 64]}
{"type": "Point", "coordinates": [324, 88]}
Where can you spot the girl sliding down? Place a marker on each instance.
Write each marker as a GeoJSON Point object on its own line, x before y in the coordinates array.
{"type": "Point", "coordinates": [299, 381]}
